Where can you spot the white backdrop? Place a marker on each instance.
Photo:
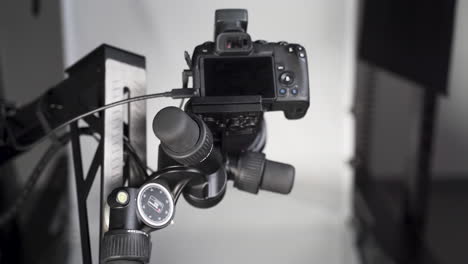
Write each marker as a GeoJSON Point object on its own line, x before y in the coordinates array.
{"type": "Point", "coordinates": [308, 226]}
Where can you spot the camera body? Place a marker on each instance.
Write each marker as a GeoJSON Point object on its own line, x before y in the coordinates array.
{"type": "Point", "coordinates": [276, 71]}
{"type": "Point", "coordinates": [239, 79]}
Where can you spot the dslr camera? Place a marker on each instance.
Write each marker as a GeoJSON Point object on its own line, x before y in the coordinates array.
{"type": "Point", "coordinates": [239, 79]}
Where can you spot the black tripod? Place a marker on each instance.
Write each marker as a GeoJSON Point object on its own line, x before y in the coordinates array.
{"type": "Point", "coordinates": [191, 161]}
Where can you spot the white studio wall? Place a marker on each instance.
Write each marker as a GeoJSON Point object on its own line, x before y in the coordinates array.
{"type": "Point", "coordinates": [307, 226]}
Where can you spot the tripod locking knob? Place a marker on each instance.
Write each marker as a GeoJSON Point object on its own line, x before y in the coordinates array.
{"type": "Point", "coordinates": [253, 172]}
{"type": "Point", "coordinates": [125, 246]}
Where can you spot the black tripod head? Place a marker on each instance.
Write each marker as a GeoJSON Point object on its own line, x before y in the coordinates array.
{"type": "Point", "coordinates": [187, 140]}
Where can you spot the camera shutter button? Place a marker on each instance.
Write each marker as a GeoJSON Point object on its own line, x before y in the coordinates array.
{"type": "Point", "coordinates": [287, 78]}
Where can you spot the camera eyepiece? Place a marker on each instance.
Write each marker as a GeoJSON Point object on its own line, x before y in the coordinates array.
{"type": "Point", "coordinates": [230, 20]}
{"type": "Point", "coordinates": [231, 36]}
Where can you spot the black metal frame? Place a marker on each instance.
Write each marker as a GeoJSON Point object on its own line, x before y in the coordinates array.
{"type": "Point", "coordinates": [104, 76]}
{"type": "Point", "coordinates": [83, 187]}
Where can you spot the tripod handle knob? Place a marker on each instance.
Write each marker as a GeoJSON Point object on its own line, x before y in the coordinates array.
{"type": "Point", "coordinates": [125, 246]}
{"type": "Point", "coordinates": [278, 177]}
{"type": "Point", "coordinates": [177, 131]}
{"type": "Point", "coordinates": [250, 168]}
{"type": "Point", "coordinates": [186, 139]}
{"type": "Point", "coordinates": [253, 172]}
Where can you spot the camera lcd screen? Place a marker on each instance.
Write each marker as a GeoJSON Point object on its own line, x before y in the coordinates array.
{"type": "Point", "coordinates": [237, 76]}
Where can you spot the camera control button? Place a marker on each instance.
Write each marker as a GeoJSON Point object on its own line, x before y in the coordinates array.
{"type": "Point", "coordinates": [282, 91]}
{"type": "Point", "coordinates": [290, 50]}
{"type": "Point", "coordinates": [302, 54]}
{"type": "Point", "coordinates": [294, 91]}
{"type": "Point", "coordinates": [280, 67]}
{"type": "Point", "coordinates": [287, 78]}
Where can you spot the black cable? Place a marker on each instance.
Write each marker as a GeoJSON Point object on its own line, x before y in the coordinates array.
{"type": "Point", "coordinates": [174, 93]}
{"type": "Point", "coordinates": [137, 159]}
{"type": "Point", "coordinates": [11, 211]}
{"type": "Point", "coordinates": [134, 168]}
{"type": "Point", "coordinates": [134, 156]}
{"type": "Point", "coordinates": [99, 109]}
{"type": "Point", "coordinates": [182, 103]}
